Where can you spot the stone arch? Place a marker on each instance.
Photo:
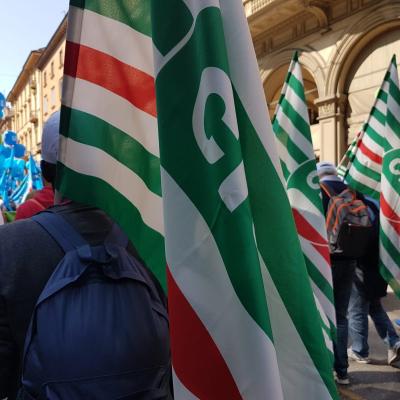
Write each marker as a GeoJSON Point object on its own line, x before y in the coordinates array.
{"type": "Point", "coordinates": [313, 63]}
{"type": "Point", "coordinates": [381, 19]}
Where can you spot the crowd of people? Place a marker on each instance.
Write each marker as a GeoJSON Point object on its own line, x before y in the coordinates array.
{"type": "Point", "coordinates": [68, 268]}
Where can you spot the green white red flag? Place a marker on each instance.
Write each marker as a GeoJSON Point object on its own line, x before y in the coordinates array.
{"type": "Point", "coordinates": [365, 159]}
{"type": "Point", "coordinates": [244, 323]}
{"type": "Point", "coordinates": [229, 228]}
{"type": "Point", "coordinates": [348, 156]}
{"type": "Point", "coordinates": [291, 126]}
{"type": "Point", "coordinates": [390, 187]}
{"type": "Point", "coordinates": [109, 154]}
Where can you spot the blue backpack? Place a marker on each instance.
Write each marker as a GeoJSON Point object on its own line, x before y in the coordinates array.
{"type": "Point", "coordinates": [99, 329]}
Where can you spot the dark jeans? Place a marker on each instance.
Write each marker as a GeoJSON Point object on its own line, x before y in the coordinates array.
{"type": "Point", "coordinates": [359, 309]}
{"type": "Point", "coordinates": [342, 274]}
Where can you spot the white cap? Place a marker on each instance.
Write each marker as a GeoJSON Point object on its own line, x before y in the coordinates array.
{"type": "Point", "coordinates": [326, 168]}
{"type": "Point", "coordinates": [50, 138]}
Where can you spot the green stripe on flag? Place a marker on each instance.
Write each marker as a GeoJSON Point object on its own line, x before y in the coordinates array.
{"type": "Point", "coordinates": [388, 245]}
{"type": "Point", "coordinates": [91, 190]}
{"type": "Point", "coordinates": [357, 185]}
{"type": "Point", "coordinates": [296, 86]}
{"type": "Point", "coordinates": [378, 116]}
{"type": "Point", "coordinates": [319, 280]}
{"type": "Point", "coordinates": [88, 129]}
{"type": "Point", "coordinates": [287, 142]}
{"type": "Point", "coordinates": [297, 120]}
{"type": "Point", "coordinates": [134, 13]}
{"type": "Point", "coordinates": [375, 136]}
{"type": "Point", "coordinates": [370, 173]}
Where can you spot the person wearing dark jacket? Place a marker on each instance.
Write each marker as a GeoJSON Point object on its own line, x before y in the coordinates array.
{"type": "Point", "coordinates": [28, 257]}
{"type": "Point", "coordinates": [342, 277]}
{"type": "Point", "coordinates": [368, 289]}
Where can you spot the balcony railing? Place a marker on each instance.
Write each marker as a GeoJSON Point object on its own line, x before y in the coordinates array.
{"type": "Point", "coordinates": [252, 6]}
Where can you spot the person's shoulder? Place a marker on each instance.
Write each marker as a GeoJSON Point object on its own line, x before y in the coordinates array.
{"type": "Point", "coordinates": [17, 227]}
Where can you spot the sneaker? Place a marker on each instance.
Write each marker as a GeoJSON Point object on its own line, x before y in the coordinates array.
{"type": "Point", "coordinates": [356, 357]}
{"type": "Point", "coordinates": [342, 379]}
{"type": "Point", "coordinates": [394, 353]}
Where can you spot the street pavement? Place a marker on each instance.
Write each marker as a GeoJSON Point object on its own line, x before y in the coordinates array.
{"type": "Point", "coordinates": [375, 381]}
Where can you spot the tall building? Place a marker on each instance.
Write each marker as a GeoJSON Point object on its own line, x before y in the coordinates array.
{"type": "Point", "coordinates": [36, 93]}
{"type": "Point", "coordinates": [51, 67]}
{"type": "Point", "coordinates": [25, 100]}
{"type": "Point", "coordinates": [345, 48]}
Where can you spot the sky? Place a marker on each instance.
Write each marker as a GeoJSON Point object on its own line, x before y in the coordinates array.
{"type": "Point", "coordinates": [25, 25]}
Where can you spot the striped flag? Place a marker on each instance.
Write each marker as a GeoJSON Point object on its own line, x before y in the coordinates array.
{"type": "Point", "coordinates": [244, 324]}
{"type": "Point", "coordinates": [365, 167]}
{"type": "Point", "coordinates": [390, 187]}
{"type": "Point", "coordinates": [109, 153]}
{"type": "Point", "coordinates": [348, 157]}
{"type": "Point", "coordinates": [292, 130]}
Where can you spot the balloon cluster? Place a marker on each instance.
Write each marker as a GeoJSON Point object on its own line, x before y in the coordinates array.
{"type": "Point", "coordinates": [11, 155]}
{"type": "Point", "coordinates": [12, 165]}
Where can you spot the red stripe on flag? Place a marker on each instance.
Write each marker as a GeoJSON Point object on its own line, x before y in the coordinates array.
{"type": "Point", "coordinates": [196, 359]}
{"type": "Point", "coordinates": [390, 214]}
{"type": "Point", "coordinates": [307, 231]}
{"type": "Point", "coordinates": [369, 153]}
{"type": "Point", "coordinates": [91, 65]}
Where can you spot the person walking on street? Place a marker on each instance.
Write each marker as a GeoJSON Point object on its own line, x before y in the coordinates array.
{"type": "Point", "coordinates": [367, 290]}
{"type": "Point", "coordinates": [342, 276]}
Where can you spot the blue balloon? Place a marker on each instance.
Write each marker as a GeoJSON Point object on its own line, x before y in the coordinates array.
{"type": "Point", "coordinates": [2, 101]}
{"type": "Point", "coordinates": [5, 151]}
{"type": "Point", "coordinates": [10, 138]}
{"type": "Point", "coordinates": [8, 161]}
{"type": "Point", "coordinates": [19, 150]}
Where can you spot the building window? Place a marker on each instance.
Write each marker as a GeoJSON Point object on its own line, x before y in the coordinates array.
{"type": "Point", "coordinates": [60, 85]}
{"type": "Point", "coordinates": [45, 105]}
{"type": "Point", "coordinates": [61, 58]}
{"type": "Point", "coordinates": [53, 97]}
{"type": "Point", "coordinates": [45, 79]}
{"type": "Point", "coordinates": [52, 70]}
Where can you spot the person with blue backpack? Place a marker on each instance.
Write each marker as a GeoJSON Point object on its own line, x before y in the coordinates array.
{"type": "Point", "coordinates": [81, 317]}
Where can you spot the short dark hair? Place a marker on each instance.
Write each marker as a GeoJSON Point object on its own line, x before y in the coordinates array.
{"type": "Point", "coordinates": [48, 171]}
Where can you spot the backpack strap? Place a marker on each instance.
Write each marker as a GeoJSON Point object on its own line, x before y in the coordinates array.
{"type": "Point", "coordinates": [328, 190]}
{"type": "Point", "coordinates": [60, 230]}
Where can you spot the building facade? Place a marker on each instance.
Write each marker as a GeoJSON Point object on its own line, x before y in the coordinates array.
{"type": "Point", "coordinates": [25, 101]}
{"type": "Point", "coordinates": [36, 93]}
{"type": "Point", "coordinates": [51, 67]}
{"type": "Point", "coordinates": [345, 48]}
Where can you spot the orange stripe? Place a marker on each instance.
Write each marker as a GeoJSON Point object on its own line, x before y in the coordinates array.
{"type": "Point", "coordinates": [99, 68]}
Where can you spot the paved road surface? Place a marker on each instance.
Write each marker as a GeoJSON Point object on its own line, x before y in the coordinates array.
{"type": "Point", "coordinates": [375, 381]}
